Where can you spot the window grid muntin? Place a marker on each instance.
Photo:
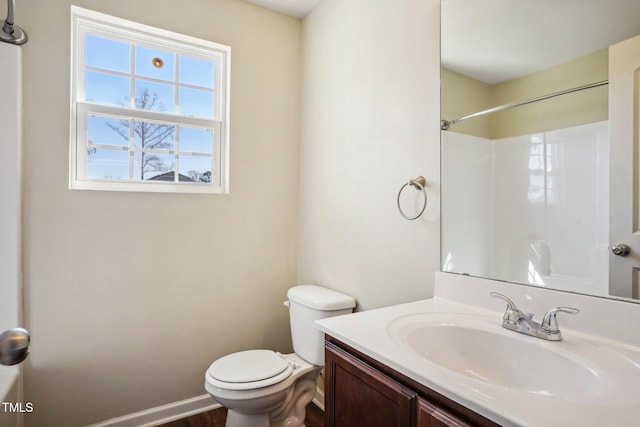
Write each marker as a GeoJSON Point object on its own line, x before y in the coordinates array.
{"type": "Point", "coordinates": [118, 29]}
{"type": "Point", "coordinates": [135, 38]}
{"type": "Point", "coordinates": [86, 110]}
{"type": "Point", "coordinates": [151, 79]}
{"type": "Point", "coordinates": [134, 77]}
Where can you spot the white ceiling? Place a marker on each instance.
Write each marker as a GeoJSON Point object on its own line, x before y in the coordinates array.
{"type": "Point", "coordinates": [497, 40]}
{"type": "Point", "coordinates": [297, 8]}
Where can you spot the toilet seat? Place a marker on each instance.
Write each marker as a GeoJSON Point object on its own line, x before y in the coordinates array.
{"type": "Point", "coordinates": [248, 370]}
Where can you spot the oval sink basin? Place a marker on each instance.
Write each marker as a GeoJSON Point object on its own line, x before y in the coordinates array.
{"type": "Point", "coordinates": [479, 348]}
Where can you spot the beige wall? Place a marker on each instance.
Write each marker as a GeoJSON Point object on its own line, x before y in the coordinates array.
{"type": "Point", "coordinates": [569, 110]}
{"type": "Point", "coordinates": [130, 296]}
{"type": "Point", "coordinates": [463, 95]}
{"type": "Point", "coordinates": [370, 122]}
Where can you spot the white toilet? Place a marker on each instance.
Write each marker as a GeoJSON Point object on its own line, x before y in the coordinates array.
{"type": "Point", "coordinates": [262, 388]}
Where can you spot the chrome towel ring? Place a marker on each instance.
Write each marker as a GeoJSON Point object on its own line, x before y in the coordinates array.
{"type": "Point", "coordinates": [419, 184]}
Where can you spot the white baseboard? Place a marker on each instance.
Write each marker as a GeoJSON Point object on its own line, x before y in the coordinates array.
{"type": "Point", "coordinates": [163, 414]}
{"type": "Point", "coordinates": [318, 399]}
{"type": "Point", "coordinates": [177, 410]}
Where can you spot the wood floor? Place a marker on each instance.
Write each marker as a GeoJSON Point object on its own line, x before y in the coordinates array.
{"type": "Point", "coordinates": [217, 417]}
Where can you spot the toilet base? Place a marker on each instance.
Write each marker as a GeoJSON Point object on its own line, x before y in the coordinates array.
{"type": "Point", "coordinates": [294, 409]}
{"type": "Point", "coordinates": [290, 412]}
{"type": "Point", "coordinates": [236, 419]}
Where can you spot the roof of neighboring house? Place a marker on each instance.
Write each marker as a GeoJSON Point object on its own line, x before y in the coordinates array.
{"type": "Point", "coordinates": [169, 176]}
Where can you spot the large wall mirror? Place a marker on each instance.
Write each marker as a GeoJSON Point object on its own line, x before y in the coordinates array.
{"type": "Point", "coordinates": [526, 184]}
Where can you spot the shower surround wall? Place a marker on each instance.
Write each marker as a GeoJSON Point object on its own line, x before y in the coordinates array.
{"type": "Point", "coordinates": [538, 203]}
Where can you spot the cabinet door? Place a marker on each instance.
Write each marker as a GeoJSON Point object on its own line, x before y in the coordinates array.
{"type": "Point", "coordinates": [431, 416]}
{"type": "Point", "coordinates": [359, 395]}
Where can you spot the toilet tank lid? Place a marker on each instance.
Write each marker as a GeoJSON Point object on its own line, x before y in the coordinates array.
{"type": "Point", "coordinates": [320, 298]}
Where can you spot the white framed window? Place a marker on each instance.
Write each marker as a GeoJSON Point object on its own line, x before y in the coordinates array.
{"type": "Point", "coordinates": [149, 108]}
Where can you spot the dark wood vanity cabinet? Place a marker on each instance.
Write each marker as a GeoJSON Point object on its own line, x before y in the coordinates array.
{"type": "Point", "coordinates": [361, 392]}
{"type": "Point", "coordinates": [432, 416]}
{"type": "Point", "coordinates": [358, 395]}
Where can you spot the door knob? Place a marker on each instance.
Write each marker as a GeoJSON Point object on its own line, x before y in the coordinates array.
{"type": "Point", "coordinates": [621, 249]}
{"type": "Point", "coordinates": [14, 346]}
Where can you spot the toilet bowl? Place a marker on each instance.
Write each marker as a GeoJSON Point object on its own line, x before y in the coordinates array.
{"type": "Point", "coordinates": [263, 388]}
{"type": "Point", "coordinates": [278, 399]}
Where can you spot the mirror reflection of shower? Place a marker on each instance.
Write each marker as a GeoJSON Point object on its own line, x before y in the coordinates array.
{"type": "Point", "coordinates": [11, 33]}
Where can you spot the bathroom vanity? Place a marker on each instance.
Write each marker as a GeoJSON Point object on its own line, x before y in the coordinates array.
{"type": "Point", "coordinates": [360, 390]}
{"type": "Point", "coordinates": [447, 361]}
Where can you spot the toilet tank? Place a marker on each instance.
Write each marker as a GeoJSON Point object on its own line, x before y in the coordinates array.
{"type": "Point", "coordinates": [308, 303]}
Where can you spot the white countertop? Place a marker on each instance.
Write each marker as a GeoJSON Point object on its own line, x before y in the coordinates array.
{"type": "Point", "coordinates": [368, 332]}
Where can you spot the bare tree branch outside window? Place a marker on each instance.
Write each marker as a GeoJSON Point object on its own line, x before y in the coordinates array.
{"type": "Point", "coordinates": [200, 176]}
{"type": "Point", "coordinates": [150, 135]}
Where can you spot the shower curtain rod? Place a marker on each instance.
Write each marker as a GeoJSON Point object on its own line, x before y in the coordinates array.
{"type": "Point", "coordinates": [446, 124]}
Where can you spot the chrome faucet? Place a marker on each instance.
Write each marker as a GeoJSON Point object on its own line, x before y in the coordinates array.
{"type": "Point", "coordinates": [519, 321]}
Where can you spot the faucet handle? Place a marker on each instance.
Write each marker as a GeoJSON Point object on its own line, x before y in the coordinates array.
{"type": "Point", "coordinates": [512, 314]}
{"type": "Point", "coordinates": [550, 324]}
{"type": "Point", "coordinates": [510, 304]}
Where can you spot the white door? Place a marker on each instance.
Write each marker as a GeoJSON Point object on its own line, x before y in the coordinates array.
{"type": "Point", "coordinates": [10, 230]}
{"type": "Point", "coordinates": [624, 207]}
